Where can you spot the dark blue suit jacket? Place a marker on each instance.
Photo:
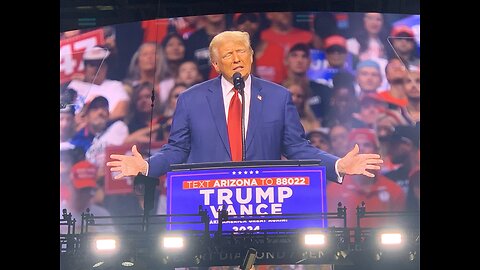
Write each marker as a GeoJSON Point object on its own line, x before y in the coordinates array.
{"type": "Point", "coordinates": [199, 129]}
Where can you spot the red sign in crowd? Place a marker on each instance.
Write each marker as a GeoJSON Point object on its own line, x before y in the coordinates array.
{"type": "Point", "coordinates": [71, 53]}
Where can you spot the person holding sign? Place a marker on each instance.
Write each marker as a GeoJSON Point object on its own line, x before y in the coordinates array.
{"type": "Point", "coordinates": [206, 123]}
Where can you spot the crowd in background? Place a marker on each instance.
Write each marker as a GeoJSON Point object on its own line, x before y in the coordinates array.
{"type": "Point", "coordinates": [354, 79]}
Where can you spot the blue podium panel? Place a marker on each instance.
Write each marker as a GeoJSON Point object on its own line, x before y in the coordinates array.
{"type": "Point", "coordinates": [248, 191]}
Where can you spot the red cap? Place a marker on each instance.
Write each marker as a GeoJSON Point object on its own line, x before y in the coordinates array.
{"type": "Point", "coordinates": [397, 30]}
{"type": "Point", "coordinates": [335, 40]}
{"type": "Point", "coordinates": [367, 132]}
{"type": "Point", "coordinates": [83, 174]}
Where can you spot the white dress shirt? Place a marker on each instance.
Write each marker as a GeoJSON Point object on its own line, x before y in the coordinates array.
{"type": "Point", "coordinates": [227, 91]}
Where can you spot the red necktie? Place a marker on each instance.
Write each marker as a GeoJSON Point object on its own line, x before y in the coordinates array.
{"type": "Point", "coordinates": [234, 126]}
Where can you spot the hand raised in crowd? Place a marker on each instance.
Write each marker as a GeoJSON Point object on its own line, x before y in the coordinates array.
{"type": "Point", "coordinates": [128, 165]}
{"type": "Point", "coordinates": [355, 163]}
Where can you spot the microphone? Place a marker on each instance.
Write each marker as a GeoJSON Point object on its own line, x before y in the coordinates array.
{"type": "Point", "coordinates": [238, 82]}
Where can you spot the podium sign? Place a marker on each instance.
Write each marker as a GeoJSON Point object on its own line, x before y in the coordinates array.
{"type": "Point", "coordinates": [248, 190]}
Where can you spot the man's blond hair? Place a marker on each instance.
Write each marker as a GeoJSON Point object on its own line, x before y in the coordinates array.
{"type": "Point", "coordinates": [224, 36]}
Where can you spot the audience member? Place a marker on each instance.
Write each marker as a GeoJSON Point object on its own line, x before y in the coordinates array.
{"type": "Point", "coordinates": [342, 106]}
{"type": "Point", "coordinates": [174, 49]}
{"type": "Point", "coordinates": [324, 24]}
{"type": "Point", "coordinates": [282, 31]}
{"type": "Point", "coordinates": [385, 126]}
{"type": "Point", "coordinates": [83, 186]}
{"type": "Point", "coordinates": [297, 62]}
{"type": "Point", "coordinates": [411, 85]}
{"type": "Point", "coordinates": [395, 72]}
{"type": "Point", "coordinates": [379, 193]}
{"type": "Point", "coordinates": [149, 64]}
{"type": "Point", "coordinates": [267, 63]}
{"type": "Point", "coordinates": [188, 73]}
{"type": "Point", "coordinates": [140, 117]}
{"type": "Point", "coordinates": [67, 127]}
{"type": "Point", "coordinates": [99, 132]}
{"type": "Point", "coordinates": [320, 139]}
{"type": "Point", "coordinates": [368, 78]}
{"type": "Point", "coordinates": [299, 98]}
{"type": "Point", "coordinates": [404, 150]}
{"type": "Point", "coordinates": [371, 106]}
{"type": "Point", "coordinates": [404, 45]}
{"type": "Point", "coordinates": [338, 59]}
{"type": "Point", "coordinates": [370, 41]}
{"type": "Point", "coordinates": [95, 84]}
{"type": "Point", "coordinates": [198, 42]}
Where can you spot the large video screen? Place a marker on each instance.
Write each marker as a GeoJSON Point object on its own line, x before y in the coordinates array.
{"type": "Point", "coordinates": [353, 77]}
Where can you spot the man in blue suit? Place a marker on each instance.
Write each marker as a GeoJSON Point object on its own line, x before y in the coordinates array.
{"type": "Point", "coordinates": [200, 131]}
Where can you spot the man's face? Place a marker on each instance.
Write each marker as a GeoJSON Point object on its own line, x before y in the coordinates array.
{"type": "Point", "coordinates": [369, 79]}
{"type": "Point", "coordinates": [343, 101]}
{"type": "Point", "coordinates": [97, 118]}
{"type": "Point", "coordinates": [95, 72]}
{"type": "Point", "coordinates": [412, 84]}
{"type": "Point", "coordinates": [233, 56]}
{"type": "Point", "coordinates": [403, 44]}
{"type": "Point", "coordinates": [298, 62]}
{"type": "Point", "coordinates": [336, 57]}
{"type": "Point", "coordinates": [395, 71]}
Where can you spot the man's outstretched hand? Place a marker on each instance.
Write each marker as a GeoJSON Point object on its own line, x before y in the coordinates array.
{"type": "Point", "coordinates": [128, 165]}
{"type": "Point", "coordinates": [355, 163]}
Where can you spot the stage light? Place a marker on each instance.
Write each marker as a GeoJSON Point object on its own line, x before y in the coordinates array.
{"type": "Point", "coordinates": [173, 242]}
{"type": "Point", "coordinates": [105, 244]}
{"type": "Point", "coordinates": [128, 263]}
{"type": "Point", "coordinates": [391, 239]}
{"type": "Point", "coordinates": [98, 264]}
{"type": "Point", "coordinates": [315, 239]}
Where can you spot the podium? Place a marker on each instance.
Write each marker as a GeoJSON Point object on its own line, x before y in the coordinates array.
{"type": "Point", "coordinates": [255, 195]}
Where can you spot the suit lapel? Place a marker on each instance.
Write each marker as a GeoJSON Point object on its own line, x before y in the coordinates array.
{"type": "Point", "coordinates": [256, 106]}
{"type": "Point", "coordinates": [217, 109]}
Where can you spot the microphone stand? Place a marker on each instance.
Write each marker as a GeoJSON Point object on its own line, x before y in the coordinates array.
{"type": "Point", "coordinates": [244, 151]}
{"type": "Point", "coordinates": [149, 183]}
